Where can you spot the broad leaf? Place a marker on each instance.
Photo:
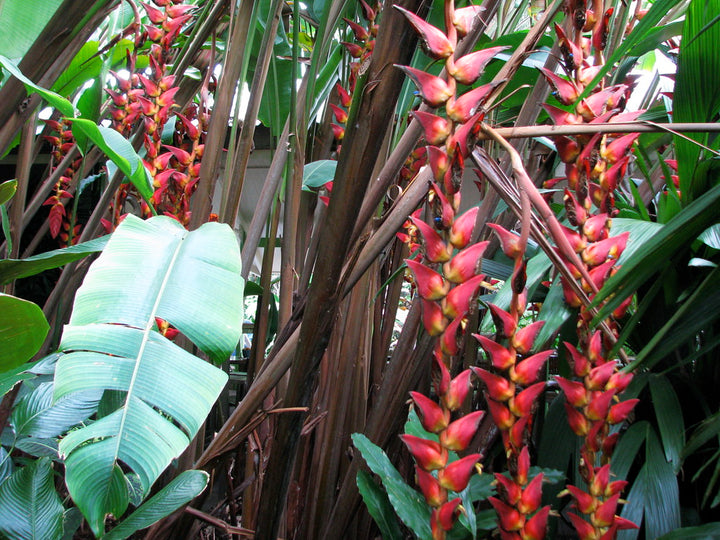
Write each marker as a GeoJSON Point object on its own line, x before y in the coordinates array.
{"type": "Point", "coordinates": [23, 328]}
{"type": "Point", "coordinates": [318, 173]}
{"type": "Point", "coordinates": [21, 22]}
{"type": "Point", "coordinates": [379, 507]}
{"type": "Point", "coordinates": [709, 531]}
{"type": "Point", "coordinates": [149, 269]}
{"type": "Point", "coordinates": [56, 100]}
{"type": "Point", "coordinates": [408, 503]}
{"type": "Point", "coordinates": [9, 378]}
{"type": "Point", "coordinates": [35, 415]}
{"type": "Point", "coordinates": [670, 418]}
{"type": "Point", "coordinates": [180, 491]}
{"type": "Point", "coordinates": [7, 190]}
{"type": "Point", "coordinates": [11, 269]}
{"type": "Point", "coordinates": [30, 509]}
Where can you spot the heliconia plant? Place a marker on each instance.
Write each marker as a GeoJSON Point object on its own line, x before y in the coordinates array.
{"type": "Point", "coordinates": [448, 281]}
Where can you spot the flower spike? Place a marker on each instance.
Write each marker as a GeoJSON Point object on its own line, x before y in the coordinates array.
{"type": "Point", "coordinates": [435, 42]}
{"type": "Point", "coordinates": [433, 90]}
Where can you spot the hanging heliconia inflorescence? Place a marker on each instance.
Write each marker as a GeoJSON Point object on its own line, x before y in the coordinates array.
{"type": "Point", "coordinates": [448, 281]}
{"type": "Point", "coordinates": [594, 166]}
{"type": "Point", "coordinates": [147, 97]}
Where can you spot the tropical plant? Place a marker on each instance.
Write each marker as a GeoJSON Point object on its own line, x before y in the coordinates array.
{"type": "Point", "coordinates": [387, 261]}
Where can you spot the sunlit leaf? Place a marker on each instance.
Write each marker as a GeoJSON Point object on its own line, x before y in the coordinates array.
{"type": "Point", "coordinates": [23, 328]}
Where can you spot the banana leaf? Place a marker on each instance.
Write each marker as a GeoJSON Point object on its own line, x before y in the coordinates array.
{"type": "Point", "coordinates": [149, 270]}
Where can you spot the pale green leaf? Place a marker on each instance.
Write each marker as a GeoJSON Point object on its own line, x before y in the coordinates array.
{"type": "Point", "coordinates": [149, 269]}
{"type": "Point", "coordinates": [30, 509]}
{"type": "Point", "coordinates": [318, 173]}
{"type": "Point", "coordinates": [23, 328]}
{"type": "Point", "coordinates": [7, 190]}
{"type": "Point", "coordinates": [11, 269]}
{"type": "Point", "coordinates": [56, 100]}
{"type": "Point", "coordinates": [710, 236]}
{"type": "Point", "coordinates": [180, 491]}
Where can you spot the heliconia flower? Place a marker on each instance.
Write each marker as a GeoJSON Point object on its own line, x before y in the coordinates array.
{"type": "Point", "coordinates": [456, 475]}
{"type": "Point", "coordinates": [436, 250]}
{"type": "Point", "coordinates": [604, 515]}
{"type": "Point", "coordinates": [515, 437]}
{"type": "Point", "coordinates": [510, 242]}
{"type": "Point", "coordinates": [599, 275]}
{"type": "Point", "coordinates": [527, 371]}
{"type": "Point", "coordinates": [430, 284]}
{"type": "Point", "coordinates": [577, 421]}
{"type": "Point", "coordinates": [183, 156]}
{"type": "Point", "coordinates": [564, 90]}
{"type": "Point", "coordinates": [567, 149]}
{"type": "Point", "coordinates": [587, 74]}
{"type": "Point", "coordinates": [338, 131]}
{"type": "Point", "coordinates": [571, 298]}
{"type": "Point", "coordinates": [466, 134]}
{"type": "Point", "coordinates": [463, 265]}
{"type": "Point", "coordinates": [611, 177]}
{"type": "Point", "coordinates": [445, 516]}
{"type": "Point", "coordinates": [449, 340]}
{"type": "Point", "coordinates": [510, 518]}
{"type": "Point", "coordinates": [619, 381]}
{"type": "Point", "coordinates": [524, 338]}
{"type": "Point", "coordinates": [621, 523]}
{"type": "Point", "coordinates": [432, 417]}
{"type": "Point", "coordinates": [462, 228]}
{"type": "Point", "coordinates": [178, 10]}
{"type": "Point", "coordinates": [457, 391]}
{"type": "Point", "coordinates": [457, 301]}
{"type": "Point", "coordinates": [617, 149]}
{"type": "Point", "coordinates": [433, 90]}
{"type": "Point", "coordinates": [523, 403]}
{"type": "Point", "coordinates": [505, 323]}
{"type": "Point", "coordinates": [508, 489]}
{"type": "Point", "coordinates": [599, 406]}
{"type": "Point", "coordinates": [353, 49]}
{"type": "Point", "coordinates": [584, 502]}
{"type": "Point", "coordinates": [535, 527]}
{"type": "Point", "coordinates": [444, 213]}
{"type": "Point", "coordinates": [599, 36]}
{"type": "Point", "coordinates": [463, 108]}
{"type": "Point", "coordinates": [577, 241]}
{"type": "Point", "coordinates": [434, 321]}
{"type": "Point", "coordinates": [458, 434]}
{"type": "Point", "coordinates": [608, 445]}
{"type": "Point", "coordinates": [434, 494]}
{"type": "Point", "coordinates": [595, 227]}
{"type": "Point", "coordinates": [574, 391]}
{"type": "Point", "coordinates": [580, 364]}
{"type": "Point", "coordinates": [584, 529]}
{"type": "Point", "coordinates": [437, 158]}
{"type": "Point", "coordinates": [531, 496]}
{"type": "Point", "coordinates": [499, 388]}
{"type": "Point", "coordinates": [345, 97]}
{"type": "Point", "coordinates": [361, 33]}
{"type": "Point", "coordinates": [619, 412]}
{"type": "Point", "coordinates": [429, 455]}
{"type": "Point", "coordinates": [501, 415]}
{"type": "Point", "coordinates": [464, 18]}
{"type": "Point", "coordinates": [559, 116]}
{"type": "Point", "coordinates": [341, 115]}
{"type": "Point", "coordinates": [436, 128]}
{"type": "Point", "coordinates": [572, 55]}
{"type": "Point", "coordinates": [434, 41]}
{"type": "Point", "coordinates": [501, 357]}
{"type": "Point", "coordinates": [597, 252]}
{"type": "Point", "coordinates": [155, 15]}
{"type": "Point", "coordinates": [440, 375]}
{"type": "Point", "coordinates": [467, 69]}
{"type": "Point", "coordinates": [600, 480]}
{"type": "Point", "coordinates": [523, 466]}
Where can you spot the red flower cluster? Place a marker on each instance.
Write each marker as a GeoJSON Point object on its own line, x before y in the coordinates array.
{"type": "Point", "coordinates": [148, 97]}
{"type": "Point", "coordinates": [512, 392]}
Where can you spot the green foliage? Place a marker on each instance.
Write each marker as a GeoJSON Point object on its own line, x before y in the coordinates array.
{"type": "Point", "coordinates": [379, 506]}
{"type": "Point", "coordinates": [22, 331]}
{"type": "Point", "coordinates": [30, 509]}
{"type": "Point", "coordinates": [150, 269]}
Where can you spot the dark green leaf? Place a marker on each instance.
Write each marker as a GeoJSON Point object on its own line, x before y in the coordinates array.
{"type": "Point", "coordinates": [22, 331]}
{"type": "Point", "coordinates": [708, 429]}
{"type": "Point", "coordinates": [30, 509]}
{"type": "Point", "coordinates": [708, 531]}
{"type": "Point", "coordinates": [378, 506]}
{"type": "Point", "coordinates": [409, 505]}
{"type": "Point", "coordinates": [9, 378]}
{"type": "Point", "coordinates": [670, 419]}
{"type": "Point", "coordinates": [84, 67]}
{"type": "Point", "coordinates": [11, 269]}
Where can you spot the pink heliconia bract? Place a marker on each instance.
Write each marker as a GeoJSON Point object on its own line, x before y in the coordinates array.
{"type": "Point", "coordinates": [430, 284]}
{"type": "Point", "coordinates": [467, 69]}
{"type": "Point", "coordinates": [432, 417]}
{"type": "Point", "coordinates": [459, 433]}
{"type": "Point", "coordinates": [462, 228]}
{"type": "Point", "coordinates": [429, 455]}
{"type": "Point", "coordinates": [433, 90]}
{"type": "Point", "coordinates": [456, 475]}
{"type": "Point", "coordinates": [436, 128]}
{"type": "Point", "coordinates": [499, 388]}
{"type": "Point", "coordinates": [435, 42]}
